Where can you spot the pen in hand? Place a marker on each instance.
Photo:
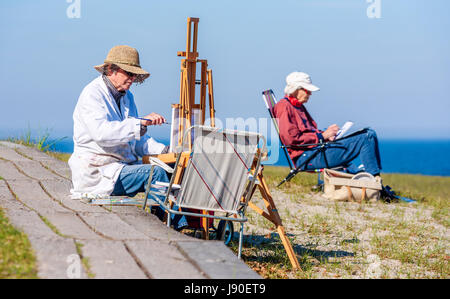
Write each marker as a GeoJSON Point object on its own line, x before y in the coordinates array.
{"type": "Point", "coordinates": [167, 123]}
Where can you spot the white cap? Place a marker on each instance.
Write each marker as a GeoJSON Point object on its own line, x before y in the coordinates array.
{"type": "Point", "coordinates": [297, 80]}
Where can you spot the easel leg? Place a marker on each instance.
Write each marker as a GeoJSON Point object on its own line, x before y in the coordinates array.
{"type": "Point", "coordinates": [274, 217]}
{"type": "Point", "coordinates": [205, 225]}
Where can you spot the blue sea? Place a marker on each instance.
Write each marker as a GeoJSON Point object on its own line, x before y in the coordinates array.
{"type": "Point", "coordinates": [426, 157]}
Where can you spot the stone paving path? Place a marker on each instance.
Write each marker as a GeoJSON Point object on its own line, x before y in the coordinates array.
{"type": "Point", "coordinates": [117, 242]}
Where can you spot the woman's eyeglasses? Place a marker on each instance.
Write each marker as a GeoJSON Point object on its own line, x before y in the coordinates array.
{"type": "Point", "coordinates": [129, 74]}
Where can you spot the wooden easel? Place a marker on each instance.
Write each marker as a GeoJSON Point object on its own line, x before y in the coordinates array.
{"type": "Point", "coordinates": [188, 81]}
{"type": "Point", "coordinates": [186, 107]}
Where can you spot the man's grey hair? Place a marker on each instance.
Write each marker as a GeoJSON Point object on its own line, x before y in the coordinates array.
{"type": "Point", "coordinates": [110, 68]}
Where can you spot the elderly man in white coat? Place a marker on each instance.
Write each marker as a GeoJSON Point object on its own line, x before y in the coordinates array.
{"type": "Point", "coordinates": [109, 137]}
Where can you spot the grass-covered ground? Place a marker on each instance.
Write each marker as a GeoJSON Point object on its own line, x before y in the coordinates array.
{"type": "Point", "coordinates": [351, 240]}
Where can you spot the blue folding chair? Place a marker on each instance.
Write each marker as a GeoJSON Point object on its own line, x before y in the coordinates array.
{"type": "Point", "coordinates": [270, 100]}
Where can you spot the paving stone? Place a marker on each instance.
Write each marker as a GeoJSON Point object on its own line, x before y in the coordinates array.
{"type": "Point", "coordinates": [9, 172]}
{"type": "Point", "coordinates": [28, 222]}
{"type": "Point", "coordinates": [111, 226]}
{"type": "Point", "coordinates": [216, 260]}
{"type": "Point", "coordinates": [59, 189]}
{"type": "Point", "coordinates": [153, 227]}
{"type": "Point", "coordinates": [81, 207]}
{"type": "Point", "coordinates": [8, 153]}
{"type": "Point", "coordinates": [34, 154]}
{"type": "Point", "coordinates": [57, 257]}
{"type": "Point", "coordinates": [59, 167]}
{"type": "Point", "coordinates": [30, 167]}
{"type": "Point", "coordinates": [127, 210]}
{"type": "Point", "coordinates": [70, 225]}
{"type": "Point", "coordinates": [163, 260]}
{"type": "Point", "coordinates": [22, 217]}
{"type": "Point", "coordinates": [31, 194]}
{"type": "Point", "coordinates": [35, 170]}
{"type": "Point", "coordinates": [110, 259]}
{"type": "Point", "coordinates": [66, 222]}
{"type": "Point", "coordinates": [11, 144]}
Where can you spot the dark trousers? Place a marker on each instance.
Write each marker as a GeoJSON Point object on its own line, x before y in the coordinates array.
{"type": "Point", "coordinates": [342, 152]}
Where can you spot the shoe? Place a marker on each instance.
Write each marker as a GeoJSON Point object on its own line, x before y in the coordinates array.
{"type": "Point", "coordinates": [387, 194]}
{"type": "Point", "coordinates": [180, 228]}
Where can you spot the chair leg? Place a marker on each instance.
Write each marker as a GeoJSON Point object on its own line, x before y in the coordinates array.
{"type": "Point", "coordinates": [241, 236]}
{"type": "Point", "coordinates": [147, 188]}
{"type": "Point", "coordinates": [319, 181]}
{"type": "Point", "coordinates": [168, 219]}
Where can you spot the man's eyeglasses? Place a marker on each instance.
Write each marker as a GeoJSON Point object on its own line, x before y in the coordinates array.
{"type": "Point", "coordinates": [307, 91]}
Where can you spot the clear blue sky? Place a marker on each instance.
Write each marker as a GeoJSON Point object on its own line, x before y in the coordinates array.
{"type": "Point", "coordinates": [391, 73]}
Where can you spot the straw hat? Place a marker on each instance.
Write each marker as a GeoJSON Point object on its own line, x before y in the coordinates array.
{"type": "Point", "coordinates": [125, 57]}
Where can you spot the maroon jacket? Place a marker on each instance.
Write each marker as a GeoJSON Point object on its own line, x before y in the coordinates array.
{"type": "Point", "coordinates": [296, 126]}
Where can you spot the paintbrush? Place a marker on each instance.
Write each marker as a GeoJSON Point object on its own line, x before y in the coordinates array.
{"type": "Point", "coordinates": [165, 123]}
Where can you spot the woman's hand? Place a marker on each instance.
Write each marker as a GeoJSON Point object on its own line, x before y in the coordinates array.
{"type": "Point", "coordinates": [153, 119]}
{"type": "Point", "coordinates": [330, 133]}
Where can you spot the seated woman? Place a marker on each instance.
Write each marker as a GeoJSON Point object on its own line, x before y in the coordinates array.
{"type": "Point", "coordinates": [298, 130]}
{"type": "Point", "coordinates": [109, 138]}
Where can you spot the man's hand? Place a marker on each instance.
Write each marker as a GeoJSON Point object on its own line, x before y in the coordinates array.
{"type": "Point", "coordinates": [330, 133]}
{"type": "Point", "coordinates": [153, 119]}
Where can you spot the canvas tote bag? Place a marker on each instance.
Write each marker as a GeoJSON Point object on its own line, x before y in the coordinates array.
{"type": "Point", "coordinates": [348, 187]}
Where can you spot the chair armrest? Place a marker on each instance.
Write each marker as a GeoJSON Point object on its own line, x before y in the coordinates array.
{"type": "Point", "coordinates": [158, 162]}
{"type": "Point", "coordinates": [302, 146]}
{"type": "Point", "coordinates": [165, 184]}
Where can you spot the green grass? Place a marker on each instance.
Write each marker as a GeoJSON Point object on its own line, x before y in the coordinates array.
{"type": "Point", "coordinates": [60, 156]}
{"type": "Point", "coordinates": [403, 244]}
{"type": "Point", "coordinates": [433, 191]}
{"type": "Point", "coordinates": [42, 142]}
{"type": "Point", "coordinates": [17, 259]}
{"type": "Point", "coordinates": [301, 183]}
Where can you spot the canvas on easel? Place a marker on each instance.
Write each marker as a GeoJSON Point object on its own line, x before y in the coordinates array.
{"type": "Point", "coordinates": [175, 125]}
